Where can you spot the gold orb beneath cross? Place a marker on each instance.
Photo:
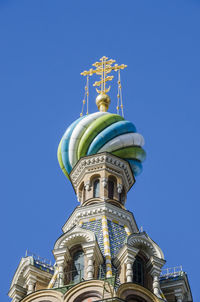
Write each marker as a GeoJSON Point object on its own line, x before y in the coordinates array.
{"type": "Point", "coordinates": [103, 102]}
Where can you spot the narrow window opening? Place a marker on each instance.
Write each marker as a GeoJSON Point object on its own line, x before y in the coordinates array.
{"type": "Point", "coordinates": [78, 267]}
{"type": "Point", "coordinates": [96, 188]}
{"type": "Point", "coordinates": [83, 194]}
{"type": "Point", "coordinates": [138, 271]}
{"type": "Point", "coordinates": [110, 189]}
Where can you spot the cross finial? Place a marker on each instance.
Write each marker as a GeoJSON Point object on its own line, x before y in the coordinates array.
{"type": "Point", "coordinates": [103, 68]}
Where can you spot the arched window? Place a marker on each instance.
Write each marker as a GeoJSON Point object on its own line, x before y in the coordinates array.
{"type": "Point", "coordinates": [110, 189]}
{"type": "Point", "coordinates": [78, 266]}
{"type": "Point", "coordinates": [96, 188]}
{"type": "Point", "coordinates": [138, 271]}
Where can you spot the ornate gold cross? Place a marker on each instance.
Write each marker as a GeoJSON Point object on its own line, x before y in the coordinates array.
{"type": "Point", "coordinates": [103, 68]}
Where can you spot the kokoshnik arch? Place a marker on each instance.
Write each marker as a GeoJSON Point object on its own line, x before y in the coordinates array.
{"type": "Point", "coordinates": [101, 255]}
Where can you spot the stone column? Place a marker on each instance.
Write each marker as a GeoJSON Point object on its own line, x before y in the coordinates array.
{"type": "Point", "coordinates": [125, 260]}
{"type": "Point", "coordinates": [31, 285]}
{"type": "Point", "coordinates": [129, 271]}
{"type": "Point", "coordinates": [156, 264]}
{"type": "Point", "coordinates": [155, 273]}
{"type": "Point", "coordinates": [103, 189]}
{"type": "Point", "coordinates": [61, 274]}
{"type": "Point", "coordinates": [90, 268]}
{"type": "Point", "coordinates": [156, 285]}
{"type": "Point", "coordinates": [119, 188]}
{"type": "Point", "coordinates": [61, 255]}
{"type": "Point", "coordinates": [92, 253]}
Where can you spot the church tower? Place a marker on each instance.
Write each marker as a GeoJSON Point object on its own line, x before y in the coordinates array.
{"type": "Point", "coordinates": [101, 254]}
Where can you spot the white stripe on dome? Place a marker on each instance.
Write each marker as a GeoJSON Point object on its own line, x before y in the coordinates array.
{"type": "Point", "coordinates": [122, 141]}
{"type": "Point", "coordinates": [77, 134]}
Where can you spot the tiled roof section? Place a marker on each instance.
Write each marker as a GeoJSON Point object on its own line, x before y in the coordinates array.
{"type": "Point", "coordinates": [43, 266]}
{"type": "Point", "coordinates": [117, 234]}
{"type": "Point", "coordinates": [170, 278]}
{"type": "Point", "coordinates": [96, 227]}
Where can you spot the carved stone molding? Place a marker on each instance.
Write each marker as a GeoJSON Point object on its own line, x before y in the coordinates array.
{"type": "Point", "coordinates": [77, 234]}
{"type": "Point", "coordinates": [97, 162]}
{"type": "Point", "coordinates": [143, 242]}
{"type": "Point", "coordinates": [96, 211]}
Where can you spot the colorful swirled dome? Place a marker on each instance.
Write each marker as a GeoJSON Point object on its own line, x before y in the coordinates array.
{"type": "Point", "coordinates": [101, 132]}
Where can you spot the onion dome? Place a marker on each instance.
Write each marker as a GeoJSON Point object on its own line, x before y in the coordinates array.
{"type": "Point", "coordinates": [101, 132]}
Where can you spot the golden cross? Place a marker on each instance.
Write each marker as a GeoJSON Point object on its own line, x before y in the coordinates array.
{"type": "Point", "coordinates": [103, 68]}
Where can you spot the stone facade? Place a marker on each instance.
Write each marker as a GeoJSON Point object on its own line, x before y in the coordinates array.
{"type": "Point", "coordinates": [101, 253]}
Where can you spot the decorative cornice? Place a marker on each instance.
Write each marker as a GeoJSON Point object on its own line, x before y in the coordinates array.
{"type": "Point", "coordinates": [94, 163]}
{"type": "Point", "coordinates": [126, 254]}
{"type": "Point", "coordinates": [100, 209]}
{"type": "Point", "coordinates": [61, 255]}
{"type": "Point", "coordinates": [24, 263]}
{"type": "Point", "coordinates": [156, 264]}
{"type": "Point", "coordinates": [34, 272]}
{"type": "Point", "coordinates": [17, 290]}
{"type": "Point", "coordinates": [92, 250]}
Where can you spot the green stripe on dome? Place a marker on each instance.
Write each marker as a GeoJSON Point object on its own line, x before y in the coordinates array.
{"type": "Point", "coordinates": [59, 155]}
{"type": "Point", "coordinates": [94, 129]}
{"type": "Point", "coordinates": [131, 153]}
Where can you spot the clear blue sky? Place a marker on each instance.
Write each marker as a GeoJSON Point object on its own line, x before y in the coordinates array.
{"type": "Point", "coordinates": [44, 45]}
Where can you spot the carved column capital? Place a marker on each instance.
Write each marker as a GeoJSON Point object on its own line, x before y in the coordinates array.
{"type": "Point", "coordinates": [92, 253]}
{"type": "Point", "coordinates": [31, 281]}
{"type": "Point", "coordinates": [155, 271]}
{"type": "Point", "coordinates": [61, 255]}
{"type": "Point", "coordinates": [104, 181]}
{"type": "Point", "coordinates": [87, 186]}
{"type": "Point", "coordinates": [119, 188]}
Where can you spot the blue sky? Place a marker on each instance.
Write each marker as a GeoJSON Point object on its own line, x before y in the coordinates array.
{"type": "Point", "coordinates": [44, 47]}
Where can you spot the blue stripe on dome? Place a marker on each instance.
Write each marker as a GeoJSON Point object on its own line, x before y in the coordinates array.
{"type": "Point", "coordinates": [136, 166]}
{"type": "Point", "coordinates": [65, 144]}
{"type": "Point", "coordinates": [109, 133]}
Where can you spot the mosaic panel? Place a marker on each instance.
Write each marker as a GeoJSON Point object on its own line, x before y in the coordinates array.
{"type": "Point", "coordinates": [96, 227]}
{"type": "Point", "coordinates": [117, 236]}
